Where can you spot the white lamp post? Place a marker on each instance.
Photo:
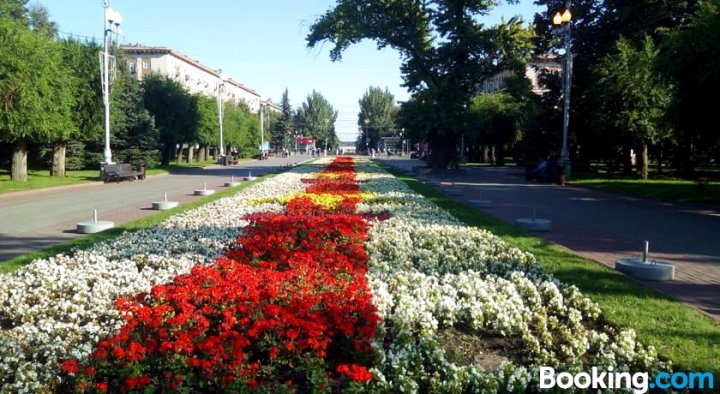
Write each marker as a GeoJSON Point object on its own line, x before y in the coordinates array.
{"type": "Point", "coordinates": [112, 21]}
{"type": "Point", "coordinates": [262, 130]}
{"type": "Point", "coordinates": [220, 93]}
{"type": "Point", "coordinates": [367, 147]}
{"type": "Point", "coordinates": [562, 21]}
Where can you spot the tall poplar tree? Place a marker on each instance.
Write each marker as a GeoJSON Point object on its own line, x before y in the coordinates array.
{"type": "Point", "coordinates": [35, 91]}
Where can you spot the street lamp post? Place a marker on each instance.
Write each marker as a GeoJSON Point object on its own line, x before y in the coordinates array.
{"type": "Point", "coordinates": [220, 93]}
{"type": "Point", "coordinates": [112, 22]}
{"type": "Point", "coordinates": [562, 21]}
{"type": "Point", "coordinates": [367, 147]}
{"type": "Point", "coordinates": [262, 131]}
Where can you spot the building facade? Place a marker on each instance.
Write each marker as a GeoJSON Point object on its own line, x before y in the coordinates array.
{"type": "Point", "coordinates": [532, 72]}
{"type": "Point", "coordinates": [194, 76]}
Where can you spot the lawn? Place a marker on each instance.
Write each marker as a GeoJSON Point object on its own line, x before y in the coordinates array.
{"type": "Point", "coordinates": [678, 332]}
{"type": "Point", "coordinates": [661, 189]}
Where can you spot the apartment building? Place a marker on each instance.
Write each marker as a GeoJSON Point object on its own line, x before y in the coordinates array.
{"type": "Point", "coordinates": [532, 73]}
{"type": "Point", "coordinates": [193, 75]}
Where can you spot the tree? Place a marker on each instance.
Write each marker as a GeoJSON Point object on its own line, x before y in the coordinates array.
{"type": "Point", "coordinates": [498, 117]}
{"type": "Point", "coordinates": [284, 130]}
{"type": "Point", "coordinates": [80, 60]}
{"type": "Point", "coordinates": [175, 113]}
{"type": "Point", "coordinates": [15, 9]}
{"type": "Point", "coordinates": [241, 128]}
{"type": "Point", "coordinates": [596, 27]}
{"type": "Point", "coordinates": [633, 97]}
{"type": "Point", "coordinates": [692, 61]}
{"type": "Point", "coordinates": [376, 115]}
{"type": "Point", "coordinates": [445, 50]}
{"type": "Point", "coordinates": [208, 125]}
{"type": "Point", "coordinates": [33, 72]}
{"type": "Point", "coordinates": [135, 138]}
{"type": "Point", "coordinates": [316, 118]}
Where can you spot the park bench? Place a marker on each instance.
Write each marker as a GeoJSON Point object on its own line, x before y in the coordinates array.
{"type": "Point", "coordinates": [119, 172]}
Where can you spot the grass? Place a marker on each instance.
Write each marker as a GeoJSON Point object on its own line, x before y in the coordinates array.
{"type": "Point", "coordinates": [676, 190]}
{"type": "Point", "coordinates": [148, 221]}
{"type": "Point", "coordinates": [681, 334]}
{"type": "Point", "coordinates": [39, 179]}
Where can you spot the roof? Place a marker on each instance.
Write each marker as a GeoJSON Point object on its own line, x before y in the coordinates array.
{"type": "Point", "coordinates": [141, 49]}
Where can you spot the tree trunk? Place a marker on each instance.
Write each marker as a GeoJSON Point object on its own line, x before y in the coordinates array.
{"type": "Point", "coordinates": [190, 154]}
{"type": "Point", "coordinates": [178, 155]}
{"type": "Point", "coordinates": [627, 159]}
{"type": "Point", "coordinates": [660, 159]}
{"type": "Point", "coordinates": [443, 150]}
{"type": "Point", "coordinates": [485, 154]}
{"type": "Point", "coordinates": [500, 155]}
{"type": "Point", "coordinates": [645, 164]}
{"type": "Point", "coordinates": [167, 154]}
{"type": "Point", "coordinates": [202, 153]}
{"type": "Point", "coordinates": [58, 161]}
{"type": "Point", "coordinates": [491, 158]}
{"type": "Point", "coordinates": [18, 171]}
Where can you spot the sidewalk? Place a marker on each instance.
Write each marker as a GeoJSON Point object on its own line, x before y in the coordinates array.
{"type": "Point", "coordinates": [604, 226]}
{"type": "Point", "coordinates": [36, 219]}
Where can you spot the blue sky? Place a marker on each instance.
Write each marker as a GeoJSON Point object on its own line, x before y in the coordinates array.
{"type": "Point", "coordinates": [259, 43]}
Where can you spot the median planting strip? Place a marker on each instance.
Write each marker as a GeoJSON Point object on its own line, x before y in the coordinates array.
{"type": "Point", "coordinates": [354, 283]}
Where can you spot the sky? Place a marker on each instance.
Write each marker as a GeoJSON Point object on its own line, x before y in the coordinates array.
{"type": "Point", "coordinates": [261, 44]}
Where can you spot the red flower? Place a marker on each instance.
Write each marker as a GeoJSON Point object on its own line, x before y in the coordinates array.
{"type": "Point", "coordinates": [293, 287]}
{"type": "Point", "coordinates": [355, 372]}
{"type": "Point", "coordinates": [70, 366]}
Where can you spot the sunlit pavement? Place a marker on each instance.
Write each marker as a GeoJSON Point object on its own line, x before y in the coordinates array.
{"type": "Point", "coordinates": [37, 219]}
{"type": "Point", "coordinates": [600, 226]}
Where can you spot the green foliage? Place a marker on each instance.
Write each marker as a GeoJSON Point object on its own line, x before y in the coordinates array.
{"type": "Point", "coordinates": [596, 27]}
{"type": "Point", "coordinates": [14, 9]}
{"type": "Point", "coordinates": [633, 98]}
{"type": "Point", "coordinates": [316, 118]}
{"type": "Point", "coordinates": [446, 53]}
{"type": "Point", "coordinates": [87, 113]}
{"type": "Point", "coordinates": [241, 129]}
{"type": "Point", "coordinates": [692, 61]}
{"type": "Point", "coordinates": [174, 109]}
{"type": "Point", "coordinates": [376, 115]}
{"type": "Point", "coordinates": [135, 139]}
{"type": "Point", "coordinates": [208, 126]}
{"type": "Point", "coordinates": [498, 119]}
{"type": "Point", "coordinates": [284, 130]}
{"type": "Point", "coordinates": [35, 90]}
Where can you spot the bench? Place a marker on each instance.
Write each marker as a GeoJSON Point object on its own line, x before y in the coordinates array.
{"type": "Point", "coordinates": [119, 172]}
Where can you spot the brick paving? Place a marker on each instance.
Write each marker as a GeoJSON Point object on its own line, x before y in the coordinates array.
{"type": "Point", "coordinates": [603, 226]}
{"type": "Point", "coordinates": [36, 219]}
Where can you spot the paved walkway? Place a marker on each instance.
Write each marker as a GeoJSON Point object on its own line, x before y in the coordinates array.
{"type": "Point", "coordinates": [36, 219]}
{"type": "Point", "coordinates": [604, 226]}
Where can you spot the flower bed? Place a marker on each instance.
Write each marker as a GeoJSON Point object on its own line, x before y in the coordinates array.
{"type": "Point", "coordinates": [453, 308]}
{"type": "Point", "coordinates": [63, 306]}
{"type": "Point", "coordinates": [288, 308]}
{"type": "Point", "coordinates": [437, 282]}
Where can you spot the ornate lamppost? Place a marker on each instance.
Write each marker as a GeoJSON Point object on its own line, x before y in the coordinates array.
{"type": "Point", "coordinates": [563, 23]}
